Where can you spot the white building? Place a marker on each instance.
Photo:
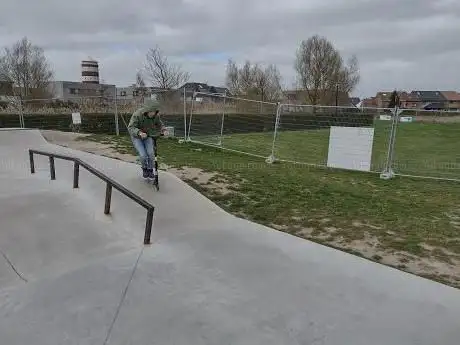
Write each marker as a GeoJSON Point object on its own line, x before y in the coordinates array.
{"type": "Point", "coordinates": [77, 91]}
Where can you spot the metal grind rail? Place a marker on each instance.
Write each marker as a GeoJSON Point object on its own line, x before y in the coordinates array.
{"type": "Point", "coordinates": [110, 184]}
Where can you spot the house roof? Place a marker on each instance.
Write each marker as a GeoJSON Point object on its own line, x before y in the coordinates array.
{"type": "Point", "coordinates": [404, 96]}
{"type": "Point", "coordinates": [354, 100]}
{"type": "Point", "coordinates": [429, 96]}
{"type": "Point", "coordinates": [411, 98]}
{"type": "Point", "coordinates": [194, 84]}
{"type": "Point", "coordinates": [451, 95]}
{"type": "Point", "coordinates": [205, 88]}
{"type": "Point", "coordinates": [221, 89]}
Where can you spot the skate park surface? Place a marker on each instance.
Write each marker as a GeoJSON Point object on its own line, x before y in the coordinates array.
{"type": "Point", "coordinates": [69, 274]}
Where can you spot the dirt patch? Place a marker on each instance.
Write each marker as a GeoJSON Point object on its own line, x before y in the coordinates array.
{"type": "Point", "coordinates": [434, 266]}
{"type": "Point", "coordinates": [212, 181]}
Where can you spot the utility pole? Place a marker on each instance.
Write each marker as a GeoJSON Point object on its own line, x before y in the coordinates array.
{"type": "Point", "coordinates": [336, 98]}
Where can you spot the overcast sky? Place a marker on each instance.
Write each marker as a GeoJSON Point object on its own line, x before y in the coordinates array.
{"type": "Point", "coordinates": [404, 44]}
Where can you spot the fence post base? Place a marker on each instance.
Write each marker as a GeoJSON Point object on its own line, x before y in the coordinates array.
{"type": "Point", "coordinates": [270, 159]}
{"type": "Point", "coordinates": [387, 175]}
{"type": "Point", "coordinates": [388, 172]}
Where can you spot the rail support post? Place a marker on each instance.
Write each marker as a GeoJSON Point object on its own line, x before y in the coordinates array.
{"type": "Point", "coordinates": [108, 198]}
{"type": "Point", "coordinates": [52, 168]}
{"type": "Point", "coordinates": [32, 164]}
{"type": "Point", "coordinates": [148, 226]}
{"type": "Point", "coordinates": [76, 174]}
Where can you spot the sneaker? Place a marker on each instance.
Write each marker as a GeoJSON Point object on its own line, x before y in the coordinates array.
{"type": "Point", "coordinates": [145, 173]}
{"type": "Point", "coordinates": [151, 173]}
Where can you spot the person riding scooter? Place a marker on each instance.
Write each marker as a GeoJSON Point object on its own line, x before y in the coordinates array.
{"type": "Point", "coordinates": [145, 125]}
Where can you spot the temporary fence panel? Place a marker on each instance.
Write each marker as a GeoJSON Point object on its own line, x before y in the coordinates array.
{"type": "Point", "coordinates": [236, 124]}
{"type": "Point", "coordinates": [11, 112]}
{"type": "Point", "coordinates": [304, 136]}
{"type": "Point", "coordinates": [427, 144]}
{"type": "Point", "coordinates": [98, 114]}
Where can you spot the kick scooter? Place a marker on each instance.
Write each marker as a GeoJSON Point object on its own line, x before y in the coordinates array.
{"type": "Point", "coordinates": [155, 179]}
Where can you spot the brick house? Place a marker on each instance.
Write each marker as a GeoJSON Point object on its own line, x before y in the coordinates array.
{"type": "Point", "coordinates": [6, 88]}
{"type": "Point", "coordinates": [452, 100]}
{"type": "Point", "coordinates": [6, 92]}
{"type": "Point", "coordinates": [382, 99]}
{"type": "Point", "coordinates": [410, 101]}
{"type": "Point", "coordinates": [370, 102]}
{"type": "Point", "coordinates": [423, 100]}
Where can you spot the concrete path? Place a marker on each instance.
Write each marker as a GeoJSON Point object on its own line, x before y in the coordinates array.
{"type": "Point", "coordinates": [71, 275]}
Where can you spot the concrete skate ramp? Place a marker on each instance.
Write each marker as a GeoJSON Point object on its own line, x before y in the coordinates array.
{"type": "Point", "coordinates": [71, 275]}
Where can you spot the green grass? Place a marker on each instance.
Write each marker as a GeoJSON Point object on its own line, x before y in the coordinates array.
{"type": "Point", "coordinates": [420, 218]}
{"type": "Point", "coordinates": [428, 149]}
{"type": "Point", "coordinates": [421, 149]}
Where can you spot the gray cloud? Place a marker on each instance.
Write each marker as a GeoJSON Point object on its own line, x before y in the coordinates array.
{"type": "Point", "coordinates": [404, 44]}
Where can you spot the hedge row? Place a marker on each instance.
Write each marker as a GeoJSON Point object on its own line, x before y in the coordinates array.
{"type": "Point", "coordinates": [250, 123]}
{"type": "Point", "coordinates": [90, 123]}
{"type": "Point", "coordinates": [201, 124]}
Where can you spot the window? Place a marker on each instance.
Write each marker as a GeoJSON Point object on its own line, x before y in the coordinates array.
{"type": "Point", "coordinates": [123, 93]}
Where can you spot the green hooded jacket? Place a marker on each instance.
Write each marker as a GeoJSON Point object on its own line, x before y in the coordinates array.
{"type": "Point", "coordinates": [140, 122]}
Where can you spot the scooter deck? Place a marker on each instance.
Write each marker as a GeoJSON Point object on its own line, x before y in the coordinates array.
{"type": "Point", "coordinates": [152, 180]}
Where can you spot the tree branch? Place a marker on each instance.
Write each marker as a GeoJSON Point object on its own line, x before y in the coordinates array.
{"type": "Point", "coordinates": [321, 70]}
{"type": "Point", "coordinates": [161, 72]}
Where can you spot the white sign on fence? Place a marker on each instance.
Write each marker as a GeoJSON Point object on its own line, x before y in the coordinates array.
{"type": "Point", "coordinates": [76, 118]}
{"type": "Point", "coordinates": [385, 117]}
{"type": "Point", "coordinates": [169, 131]}
{"type": "Point", "coordinates": [406, 119]}
{"type": "Point", "coordinates": [350, 148]}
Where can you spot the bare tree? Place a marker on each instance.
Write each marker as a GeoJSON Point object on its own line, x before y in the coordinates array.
{"type": "Point", "coordinates": [268, 83]}
{"type": "Point", "coordinates": [350, 76]}
{"type": "Point", "coordinates": [232, 77]}
{"type": "Point", "coordinates": [140, 88]}
{"type": "Point", "coordinates": [322, 72]}
{"type": "Point", "coordinates": [247, 76]}
{"type": "Point", "coordinates": [26, 66]}
{"type": "Point", "coordinates": [162, 73]}
{"type": "Point", "coordinates": [140, 80]}
{"type": "Point", "coordinates": [254, 81]}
